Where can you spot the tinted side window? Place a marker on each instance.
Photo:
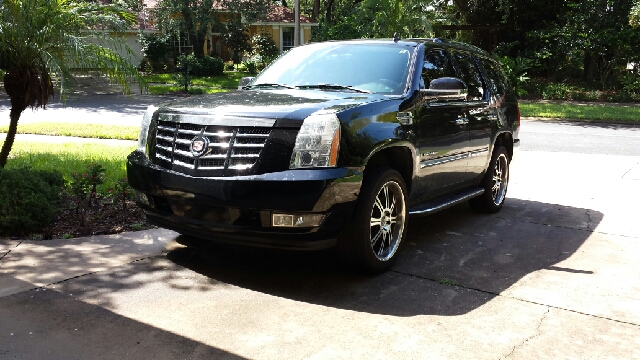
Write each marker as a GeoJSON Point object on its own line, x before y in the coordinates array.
{"type": "Point", "coordinates": [470, 75]}
{"type": "Point", "coordinates": [436, 65]}
{"type": "Point", "coordinates": [494, 78]}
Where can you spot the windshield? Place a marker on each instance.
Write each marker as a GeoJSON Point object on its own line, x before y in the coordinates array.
{"type": "Point", "coordinates": [377, 68]}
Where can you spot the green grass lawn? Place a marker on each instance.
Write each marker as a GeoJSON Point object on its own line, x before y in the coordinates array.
{"type": "Point", "coordinates": [605, 113]}
{"type": "Point", "coordinates": [97, 131]}
{"type": "Point", "coordinates": [160, 84]}
{"type": "Point", "coordinates": [71, 157]}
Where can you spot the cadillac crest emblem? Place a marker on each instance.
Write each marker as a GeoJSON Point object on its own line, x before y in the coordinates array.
{"type": "Point", "coordinates": [199, 145]}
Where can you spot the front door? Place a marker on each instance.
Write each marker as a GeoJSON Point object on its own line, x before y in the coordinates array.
{"type": "Point", "coordinates": [441, 132]}
{"type": "Point", "coordinates": [479, 115]}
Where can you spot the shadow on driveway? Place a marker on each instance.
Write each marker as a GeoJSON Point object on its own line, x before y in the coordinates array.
{"type": "Point", "coordinates": [483, 254]}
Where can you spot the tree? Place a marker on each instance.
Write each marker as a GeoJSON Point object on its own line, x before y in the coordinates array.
{"type": "Point", "coordinates": [42, 40]}
{"type": "Point", "coordinates": [194, 18]}
{"type": "Point", "coordinates": [188, 19]}
{"type": "Point", "coordinates": [377, 19]}
{"type": "Point", "coordinates": [236, 39]}
{"type": "Point", "coordinates": [264, 48]}
{"type": "Point", "coordinates": [634, 15]}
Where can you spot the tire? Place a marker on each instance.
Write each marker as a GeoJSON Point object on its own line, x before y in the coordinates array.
{"type": "Point", "coordinates": [378, 224]}
{"type": "Point", "coordinates": [494, 183]}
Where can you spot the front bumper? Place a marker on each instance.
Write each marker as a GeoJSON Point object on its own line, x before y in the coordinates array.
{"type": "Point", "coordinates": [239, 209]}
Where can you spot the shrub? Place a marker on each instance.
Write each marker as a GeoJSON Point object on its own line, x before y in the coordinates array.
{"type": "Point", "coordinates": [156, 48]}
{"type": "Point", "coordinates": [250, 66]}
{"type": "Point", "coordinates": [120, 193]}
{"type": "Point", "coordinates": [516, 70]}
{"type": "Point", "coordinates": [631, 82]}
{"type": "Point", "coordinates": [28, 199]}
{"type": "Point", "coordinates": [264, 48]}
{"type": "Point", "coordinates": [211, 66]}
{"type": "Point", "coordinates": [556, 91]}
{"type": "Point", "coordinates": [206, 66]}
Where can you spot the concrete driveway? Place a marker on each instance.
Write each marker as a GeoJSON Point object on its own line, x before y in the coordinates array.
{"type": "Point", "coordinates": [554, 275]}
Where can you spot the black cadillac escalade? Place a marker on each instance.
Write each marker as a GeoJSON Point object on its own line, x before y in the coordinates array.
{"type": "Point", "coordinates": [335, 143]}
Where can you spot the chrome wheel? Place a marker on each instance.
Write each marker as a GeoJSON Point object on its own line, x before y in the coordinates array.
{"type": "Point", "coordinates": [500, 179]}
{"type": "Point", "coordinates": [387, 221]}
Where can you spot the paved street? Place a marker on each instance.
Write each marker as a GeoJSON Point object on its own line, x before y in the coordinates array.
{"type": "Point", "coordinates": [554, 275]}
{"type": "Point", "coordinates": [113, 109]}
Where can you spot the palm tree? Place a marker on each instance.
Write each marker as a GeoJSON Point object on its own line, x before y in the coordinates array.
{"type": "Point", "coordinates": [42, 40]}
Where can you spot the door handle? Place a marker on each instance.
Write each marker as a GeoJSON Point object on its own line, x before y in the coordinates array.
{"type": "Point", "coordinates": [462, 121]}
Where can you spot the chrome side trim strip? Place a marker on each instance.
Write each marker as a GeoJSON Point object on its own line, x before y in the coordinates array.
{"type": "Point", "coordinates": [429, 163]}
{"type": "Point", "coordinates": [480, 152]}
{"type": "Point", "coordinates": [451, 202]}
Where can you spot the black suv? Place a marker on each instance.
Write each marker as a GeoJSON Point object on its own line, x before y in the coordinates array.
{"type": "Point", "coordinates": [335, 143]}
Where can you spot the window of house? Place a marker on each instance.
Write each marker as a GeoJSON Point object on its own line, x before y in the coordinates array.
{"type": "Point", "coordinates": [181, 45]}
{"type": "Point", "coordinates": [287, 38]}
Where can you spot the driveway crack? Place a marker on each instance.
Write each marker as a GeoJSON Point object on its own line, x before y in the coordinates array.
{"type": "Point", "coordinates": [537, 334]}
{"type": "Point", "coordinates": [461, 286]}
{"type": "Point", "coordinates": [7, 253]}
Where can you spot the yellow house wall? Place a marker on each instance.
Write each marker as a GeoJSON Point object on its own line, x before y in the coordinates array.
{"type": "Point", "coordinates": [307, 35]}
{"type": "Point", "coordinates": [258, 29]}
{"type": "Point", "coordinates": [275, 32]}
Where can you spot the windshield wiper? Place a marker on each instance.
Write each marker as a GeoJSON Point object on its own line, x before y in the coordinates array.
{"type": "Point", "coordinates": [269, 85]}
{"type": "Point", "coordinates": [333, 87]}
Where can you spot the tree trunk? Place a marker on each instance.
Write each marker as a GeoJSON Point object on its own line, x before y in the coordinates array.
{"type": "Point", "coordinates": [590, 67]}
{"type": "Point", "coordinates": [329, 15]}
{"type": "Point", "coordinates": [316, 10]}
{"type": "Point", "coordinates": [197, 41]}
{"type": "Point", "coordinates": [14, 115]}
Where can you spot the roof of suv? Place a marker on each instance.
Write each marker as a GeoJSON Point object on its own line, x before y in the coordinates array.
{"type": "Point", "coordinates": [416, 41]}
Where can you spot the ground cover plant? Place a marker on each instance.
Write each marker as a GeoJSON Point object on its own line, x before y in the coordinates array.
{"type": "Point", "coordinates": [160, 84]}
{"type": "Point", "coordinates": [598, 112]}
{"type": "Point", "coordinates": [97, 131]}
{"type": "Point", "coordinates": [95, 198]}
{"type": "Point", "coordinates": [30, 199]}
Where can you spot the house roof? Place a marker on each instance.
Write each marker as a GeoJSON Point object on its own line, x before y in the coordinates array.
{"type": "Point", "coordinates": [277, 14]}
{"type": "Point", "coordinates": [282, 14]}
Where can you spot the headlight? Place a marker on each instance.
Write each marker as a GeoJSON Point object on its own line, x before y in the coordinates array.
{"type": "Point", "coordinates": [144, 128]}
{"type": "Point", "coordinates": [317, 142]}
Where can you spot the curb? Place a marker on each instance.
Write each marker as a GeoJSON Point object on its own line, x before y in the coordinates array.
{"type": "Point", "coordinates": [590, 121]}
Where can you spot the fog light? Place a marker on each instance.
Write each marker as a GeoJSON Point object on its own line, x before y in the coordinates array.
{"type": "Point", "coordinates": [302, 220]}
{"type": "Point", "coordinates": [142, 198]}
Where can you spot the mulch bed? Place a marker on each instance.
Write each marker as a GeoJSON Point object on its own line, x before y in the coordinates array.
{"type": "Point", "coordinates": [102, 217]}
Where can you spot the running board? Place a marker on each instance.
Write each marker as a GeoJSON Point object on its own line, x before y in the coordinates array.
{"type": "Point", "coordinates": [448, 201]}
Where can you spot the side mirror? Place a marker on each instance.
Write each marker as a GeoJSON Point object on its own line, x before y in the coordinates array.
{"type": "Point", "coordinates": [447, 83]}
{"type": "Point", "coordinates": [446, 88]}
{"type": "Point", "coordinates": [244, 81]}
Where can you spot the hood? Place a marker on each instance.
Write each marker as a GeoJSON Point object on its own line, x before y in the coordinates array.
{"type": "Point", "coordinates": [276, 105]}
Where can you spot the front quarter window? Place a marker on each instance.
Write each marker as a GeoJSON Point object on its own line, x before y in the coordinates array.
{"type": "Point", "coordinates": [370, 67]}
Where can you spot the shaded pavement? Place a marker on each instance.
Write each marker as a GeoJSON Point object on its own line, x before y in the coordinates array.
{"type": "Point", "coordinates": [553, 275]}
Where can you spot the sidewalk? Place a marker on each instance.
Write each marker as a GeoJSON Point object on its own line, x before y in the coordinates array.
{"type": "Point", "coordinates": [29, 264]}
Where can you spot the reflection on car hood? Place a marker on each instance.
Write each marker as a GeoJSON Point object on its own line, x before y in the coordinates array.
{"type": "Point", "coordinates": [288, 104]}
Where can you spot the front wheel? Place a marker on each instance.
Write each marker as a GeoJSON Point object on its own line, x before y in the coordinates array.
{"type": "Point", "coordinates": [379, 222]}
{"type": "Point", "coordinates": [494, 183]}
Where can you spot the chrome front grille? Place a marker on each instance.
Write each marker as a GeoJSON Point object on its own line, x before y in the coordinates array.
{"type": "Point", "coordinates": [235, 148]}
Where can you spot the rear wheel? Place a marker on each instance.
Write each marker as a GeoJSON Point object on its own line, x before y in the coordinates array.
{"type": "Point", "coordinates": [495, 183]}
{"type": "Point", "coordinates": [379, 222]}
